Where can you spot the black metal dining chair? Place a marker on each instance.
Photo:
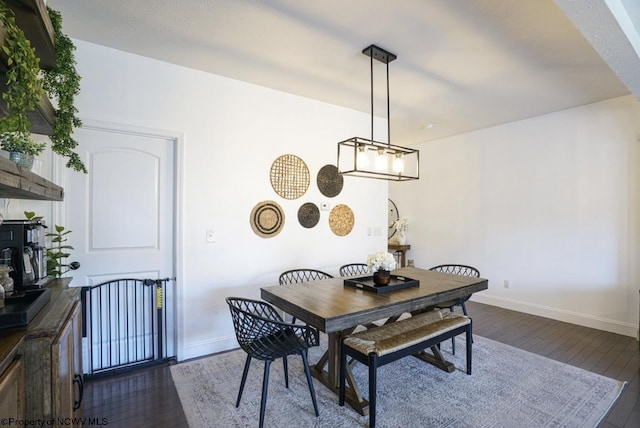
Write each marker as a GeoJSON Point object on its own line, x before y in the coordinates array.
{"type": "Point", "coordinates": [455, 269]}
{"type": "Point", "coordinates": [263, 335]}
{"type": "Point", "coordinates": [353, 269]}
{"type": "Point", "coordinates": [295, 276]}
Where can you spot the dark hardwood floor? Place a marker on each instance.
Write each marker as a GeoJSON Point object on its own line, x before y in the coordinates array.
{"type": "Point", "coordinates": [147, 397]}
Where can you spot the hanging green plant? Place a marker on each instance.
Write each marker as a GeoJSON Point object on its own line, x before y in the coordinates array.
{"type": "Point", "coordinates": [63, 84]}
{"type": "Point", "coordinates": [24, 88]}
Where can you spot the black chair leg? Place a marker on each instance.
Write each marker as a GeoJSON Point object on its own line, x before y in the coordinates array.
{"type": "Point", "coordinates": [307, 371]}
{"type": "Point", "coordinates": [265, 388]}
{"type": "Point", "coordinates": [453, 339]}
{"type": "Point", "coordinates": [286, 371]}
{"type": "Point", "coordinates": [464, 311]}
{"type": "Point", "coordinates": [469, 350]}
{"type": "Point", "coordinates": [244, 378]}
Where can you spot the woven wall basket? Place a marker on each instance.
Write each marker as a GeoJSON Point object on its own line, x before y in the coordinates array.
{"type": "Point", "coordinates": [267, 219]}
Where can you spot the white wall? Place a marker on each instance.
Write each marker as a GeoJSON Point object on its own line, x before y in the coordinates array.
{"type": "Point", "coordinates": [232, 132]}
{"type": "Point", "coordinates": [550, 204]}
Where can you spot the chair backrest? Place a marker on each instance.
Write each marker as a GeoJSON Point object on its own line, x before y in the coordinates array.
{"type": "Point", "coordinates": [302, 275]}
{"type": "Point", "coordinates": [457, 270]}
{"type": "Point", "coordinates": [263, 334]}
{"type": "Point", "coordinates": [354, 269]}
{"type": "Point", "coordinates": [249, 317]}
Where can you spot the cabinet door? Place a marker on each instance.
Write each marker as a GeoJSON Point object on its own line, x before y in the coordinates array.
{"type": "Point", "coordinates": [12, 391]}
{"type": "Point", "coordinates": [63, 367]}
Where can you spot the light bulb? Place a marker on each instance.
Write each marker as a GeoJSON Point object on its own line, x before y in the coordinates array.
{"type": "Point", "coordinates": [362, 161]}
{"type": "Point", "coordinates": [381, 160]}
{"type": "Point", "coordinates": [398, 164]}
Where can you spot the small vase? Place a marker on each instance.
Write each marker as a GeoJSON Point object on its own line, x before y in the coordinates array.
{"type": "Point", "coordinates": [402, 238]}
{"type": "Point", "coordinates": [381, 278]}
{"type": "Point", "coordinates": [21, 159]}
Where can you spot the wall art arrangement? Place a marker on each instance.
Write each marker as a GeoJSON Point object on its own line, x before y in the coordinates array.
{"type": "Point", "coordinates": [290, 179]}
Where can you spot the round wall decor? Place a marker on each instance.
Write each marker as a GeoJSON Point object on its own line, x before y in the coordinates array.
{"type": "Point", "coordinates": [341, 220]}
{"type": "Point", "coordinates": [330, 182]}
{"type": "Point", "coordinates": [393, 215]}
{"type": "Point", "coordinates": [267, 219]}
{"type": "Point", "coordinates": [309, 215]}
{"type": "Point", "coordinates": [289, 176]}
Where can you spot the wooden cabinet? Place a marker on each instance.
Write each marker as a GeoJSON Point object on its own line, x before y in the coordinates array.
{"type": "Point", "coordinates": [53, 359]}
{"type": "Point", "coordinates": [66, 372]}
{"type": "Point", "coordinates": [12, 391]}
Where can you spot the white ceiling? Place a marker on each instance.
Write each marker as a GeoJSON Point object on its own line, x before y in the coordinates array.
{"type": "Point", "coordinates": [462, 65]}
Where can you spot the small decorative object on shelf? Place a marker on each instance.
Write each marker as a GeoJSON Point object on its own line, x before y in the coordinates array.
{"type": "Point", "coordinates": [21, 159]}
{"type": "Point", "coordinates": [400, 225]}
{"type": "Point", "coordinates": [381, 263]}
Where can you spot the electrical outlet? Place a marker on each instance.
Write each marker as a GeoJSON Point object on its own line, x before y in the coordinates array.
{"type": "Point", "coordinates": [210, 236]}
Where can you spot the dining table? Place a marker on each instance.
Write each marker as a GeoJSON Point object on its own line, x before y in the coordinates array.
{"type": "Point", "coordinates": [337, 307]}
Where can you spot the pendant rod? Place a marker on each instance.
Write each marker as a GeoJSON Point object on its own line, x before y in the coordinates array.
{"type": "Point", "coordinates": [371, 75]}
{"type": "Point", "coordinates": [388, 112]}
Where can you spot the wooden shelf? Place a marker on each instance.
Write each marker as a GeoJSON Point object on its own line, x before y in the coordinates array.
{"type": "Point", "coordinates": [42, 119]}
{"type": "Point", "coordinates": [32, 17]}
{"type": "Point", "coordinates": [19, 183]}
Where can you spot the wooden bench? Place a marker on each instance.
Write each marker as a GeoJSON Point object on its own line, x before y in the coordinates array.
{"type": "Point", "coordinates": [378, 346]}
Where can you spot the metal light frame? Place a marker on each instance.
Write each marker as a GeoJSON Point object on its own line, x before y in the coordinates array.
{"type": "Point", "coordinates": [355, 154]}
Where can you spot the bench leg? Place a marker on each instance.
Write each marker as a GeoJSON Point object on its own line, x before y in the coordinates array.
{"type": "Point", "coordinates": [469, 347]}
{"type": "Point", "coordinates": [373, 380]}
{"type": "Point", "coordinates": [342, 376]}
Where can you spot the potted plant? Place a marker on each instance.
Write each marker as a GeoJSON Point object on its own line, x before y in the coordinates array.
{"type": "Point", "coordinates": [59, 250]}
{"type": "Point", "coordinates": [23, 93]}
{"type": "Point", "coordinates": [381, 264]}
{"type": "Point", "coordinates": [56, 267]}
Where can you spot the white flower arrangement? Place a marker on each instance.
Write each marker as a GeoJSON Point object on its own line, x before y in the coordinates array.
{"type": "Point", "coordinates": [401, 224]}
{"type": "Point", "coordinates": [381, 261]}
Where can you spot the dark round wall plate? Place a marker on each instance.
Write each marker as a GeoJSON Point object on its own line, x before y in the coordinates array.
{"type": "Point", "coordinates": [329, 181]}
{"type": "Point", "coordinates": [309, 215]}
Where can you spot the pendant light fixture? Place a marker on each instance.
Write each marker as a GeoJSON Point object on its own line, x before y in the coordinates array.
{"type": "Point", "coordinates": [362, 157]}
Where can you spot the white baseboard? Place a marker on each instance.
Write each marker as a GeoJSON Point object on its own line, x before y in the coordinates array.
{"type": "Point", "coordinates": [586, 320]}
{"type": "Point", "coordinates": [206, 347]}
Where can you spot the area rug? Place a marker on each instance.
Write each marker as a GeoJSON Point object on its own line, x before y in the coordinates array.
{"type": "Point", "coordinates": [509, 387]}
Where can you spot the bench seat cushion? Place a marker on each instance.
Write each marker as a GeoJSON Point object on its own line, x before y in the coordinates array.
{"type": "Point", "coordinates": [401, 334]}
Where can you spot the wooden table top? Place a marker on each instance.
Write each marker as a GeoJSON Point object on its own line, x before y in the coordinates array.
{"type": "Point", "coordinates": [331, 306]}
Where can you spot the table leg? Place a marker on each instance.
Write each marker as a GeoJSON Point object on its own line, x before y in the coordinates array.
{"type": "Point", "coordinates": [327, 371]}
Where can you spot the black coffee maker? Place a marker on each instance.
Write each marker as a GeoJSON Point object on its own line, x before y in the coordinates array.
{"type": "Point", "coordinates": [22, 246]}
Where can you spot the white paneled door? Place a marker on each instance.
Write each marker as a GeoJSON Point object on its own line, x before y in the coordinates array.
{"type": "Point", "coordinates": [121, 212]}
{"type": "Point", "coordinates": [121, 215]}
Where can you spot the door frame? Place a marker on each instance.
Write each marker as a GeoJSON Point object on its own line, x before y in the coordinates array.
{"type": "Point", "coordinates": [59, 210]}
